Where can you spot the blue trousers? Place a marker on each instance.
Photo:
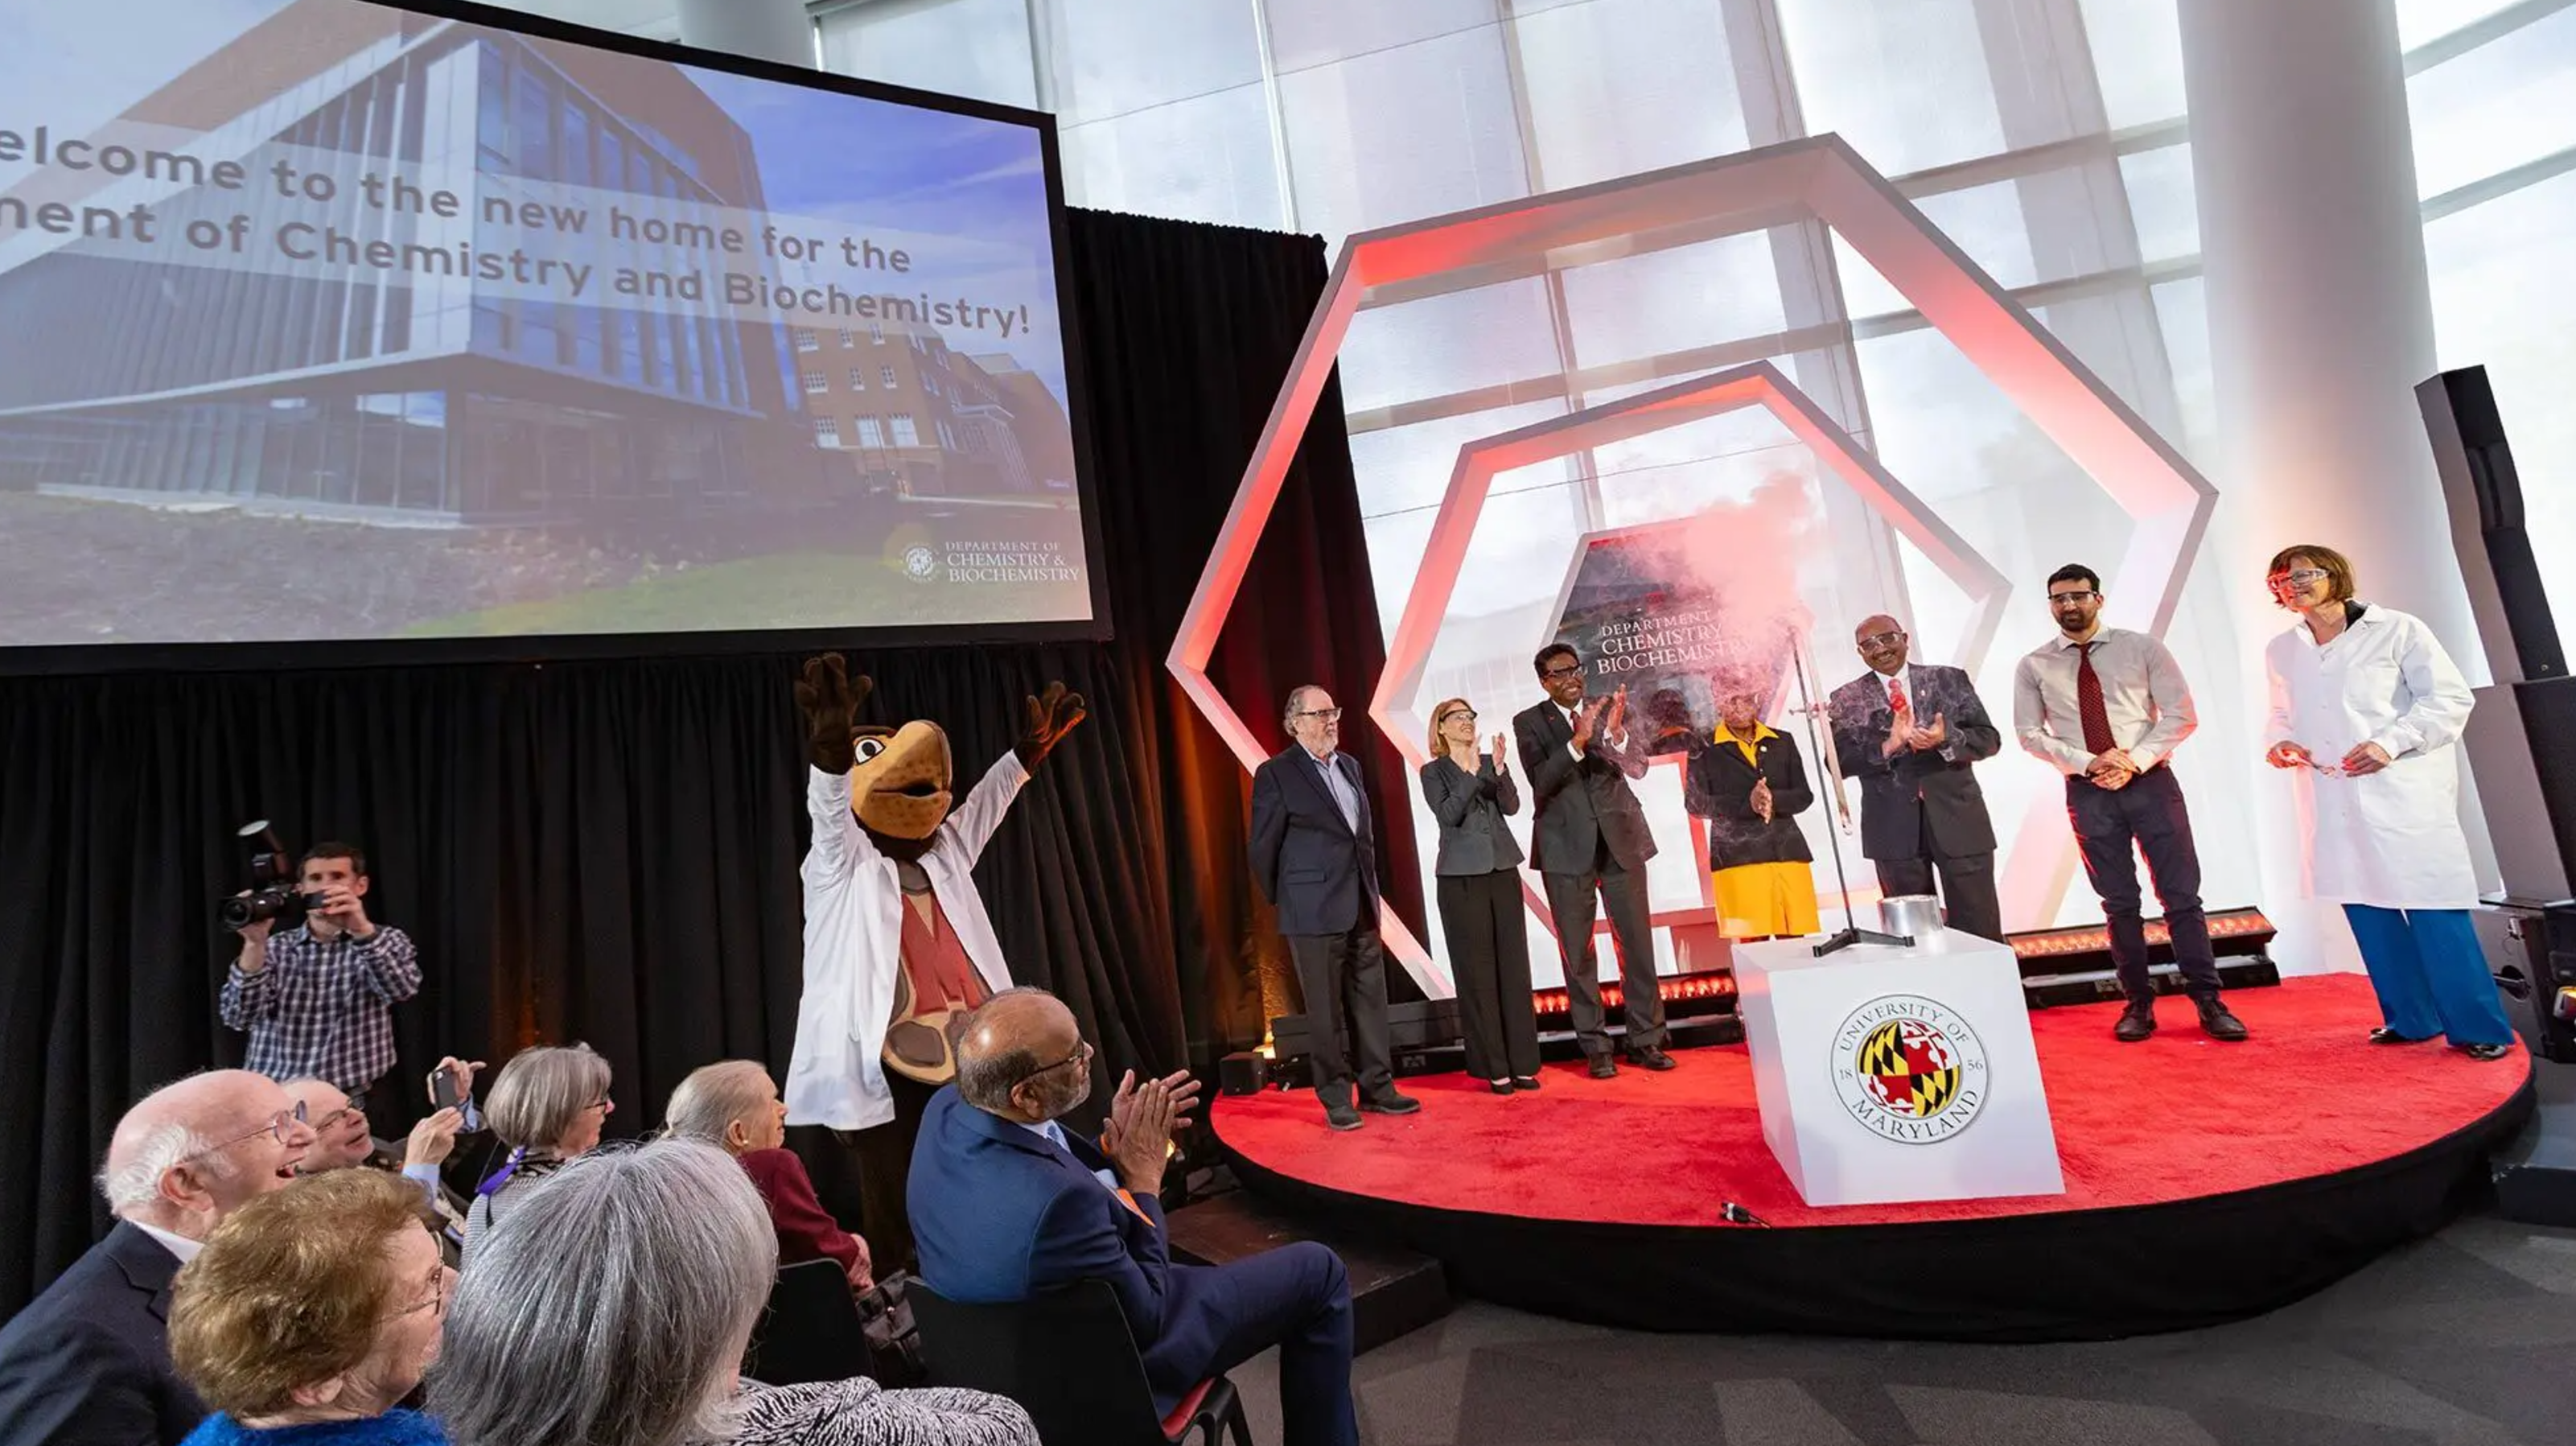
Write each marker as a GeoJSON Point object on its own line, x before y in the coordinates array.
{"type": "Point", "coordinates": [1298, 1298]}
{"type": "Point", "coordinates": [2430, 974]}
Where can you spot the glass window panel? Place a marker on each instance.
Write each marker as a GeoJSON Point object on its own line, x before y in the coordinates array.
{"type": "Point", "coordinates": [1621, 86]}
{"type": "Point", "coordinates": [1098, 53]}
{"type": "Point", "coordinates": [1209, 158]}
{"type": "Point", "coordinates": [1445, 344]}
{"type": "Point", "coordinates": [974, 48]}
{"type": "Point", "coordinates": [1409, 467]}
{"type": "Point", "coordinates": [2502, 293]}
{"type": "Point", "coordinates": [2162, 202]}
{"type": "Point", "coordinates": [2421, 20]}
{"type": "Point", "coordinates": [1906, 84]}
{"type": "Point", "coordinates": [1306, 33]}
{"type": "Point", "coordinates": [2137, 58]}
{"type": "Point", "coordinates": [1400, 134]}
{"type": "Point", "coordinates": [1673, 300]}
{"type": "Point", "coordinates": [2496, 107]}
{"type": "Point", "coordinates": [1986, 222]}
{"type": "Point", "coordinates": [1685, 470]}
{"type": "Point", "coordinates": [2182, 312]}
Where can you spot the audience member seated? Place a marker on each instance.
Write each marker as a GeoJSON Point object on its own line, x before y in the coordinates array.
{"type": "Point", "coordinates": [88, 1361]}
{"type": "Point", "coordinates": [734, 1105]}
{"type": "Point", "coordinates": [1007, 1202]}
{"type": "Point", "coordinates": [342, 1140]}
{"type": "Point", "coordinates": [547, 1106]}
{"type": "Point", "coordinates": [613, 1303]}
{"type": "Point", "coordinates": [311, 1314]}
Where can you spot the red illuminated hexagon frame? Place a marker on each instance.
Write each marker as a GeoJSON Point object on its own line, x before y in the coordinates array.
{"type": "Point", "coordinates": [1819, 177]}
{"type": "Point", "coordinates": [1393, 705]}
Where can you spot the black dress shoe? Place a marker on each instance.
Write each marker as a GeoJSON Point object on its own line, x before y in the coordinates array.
{"type": "Point", "coordinates": [1604, 1067]}
{"type": "Point", "coordinates": [2487, 1051]}
{"type": "Point", "coordinates": [2220, 1023]}
{"type": "Point", "coordinates": [2136, 1023]}
{"type": "Point", "coordinates": [2385, 1035]}
{"type": "Point", "coordinates": [1341, 1116]}
{"type": "Point", "coordinates": [1391, 1103]}
{"type": "Point", "coordinates": [1499, 1086]}
{"type": "Point", "coordinates": [1524, 1081]}
{"type": "Point", "coordinates": [1649, 1057]}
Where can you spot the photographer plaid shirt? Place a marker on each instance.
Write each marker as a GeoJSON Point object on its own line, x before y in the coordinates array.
{"type": "Point", "coordinates": [323, 1007]}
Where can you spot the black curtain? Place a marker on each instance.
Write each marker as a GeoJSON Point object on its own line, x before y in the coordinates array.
{"type": "Point", "coordinates": [607, 851]}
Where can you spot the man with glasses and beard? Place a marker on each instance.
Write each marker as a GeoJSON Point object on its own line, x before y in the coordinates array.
{"type": "Point", "coordinates": [1314, 856]}
{"type": "Point", "coordinates": [89, 1360]}
{"type": "Point", "coordinates": [1912, 734]}
{"type": "Point", "coordinates": [2108, 707]}
{"type": "Point", "coordinates": [1007, 1202]}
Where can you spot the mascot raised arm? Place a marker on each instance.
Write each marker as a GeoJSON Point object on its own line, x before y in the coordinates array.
{"type": "Point", "coordinates": [897, 944]}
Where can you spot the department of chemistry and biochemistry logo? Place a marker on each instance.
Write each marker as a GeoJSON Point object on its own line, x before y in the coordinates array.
{"type": "Point", "coordinates": [920, 563]}
{"type": "Point", "coordinates": [1909, 1069]}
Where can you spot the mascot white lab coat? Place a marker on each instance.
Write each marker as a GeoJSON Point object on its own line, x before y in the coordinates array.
{"type": "Point", "coordinates": [2391, 838]}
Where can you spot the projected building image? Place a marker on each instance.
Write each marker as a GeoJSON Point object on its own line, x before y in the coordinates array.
{"type": "Point", "coordinates": [425, 394]}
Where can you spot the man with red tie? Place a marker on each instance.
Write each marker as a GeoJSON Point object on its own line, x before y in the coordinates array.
{"type": "Point", "coordinates": [1912, 734]}
{"type": "Point", "coordinates": [2108, 707]}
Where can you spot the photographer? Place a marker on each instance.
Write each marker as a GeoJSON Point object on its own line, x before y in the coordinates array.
{"type": "Point", "coordinates": [317, 999]}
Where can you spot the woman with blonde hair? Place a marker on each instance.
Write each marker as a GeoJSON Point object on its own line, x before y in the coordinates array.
{"type": "Point", "coordinates": [2368, 707]}
{"type": "Point", "coordinates": [311, 1313]}
{"type": "Point", "coordinates": [547, 1105]}
{"type": "Point", "coordinates": [1471, 792]}
{"type": "Point", "coordinates": [733, 1105]}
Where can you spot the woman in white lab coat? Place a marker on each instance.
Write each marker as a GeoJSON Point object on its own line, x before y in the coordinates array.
{"type": "Point", "coordinates": [2367, 706]}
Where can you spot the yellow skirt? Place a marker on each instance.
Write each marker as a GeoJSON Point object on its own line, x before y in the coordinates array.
{"type": "Point", "coordinates": [1758, 899]}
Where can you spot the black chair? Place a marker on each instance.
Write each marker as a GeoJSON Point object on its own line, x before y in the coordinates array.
{"type": "Point", "coordinates": [811, 1331]}
{"type": "Point", "coordinates": [1067, 1357]}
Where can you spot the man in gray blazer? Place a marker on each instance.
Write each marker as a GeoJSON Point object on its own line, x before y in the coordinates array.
{"type": "Point", "coordinates": [1588, 837]}
{"type": "Point", "coordinates": [1911, 733]}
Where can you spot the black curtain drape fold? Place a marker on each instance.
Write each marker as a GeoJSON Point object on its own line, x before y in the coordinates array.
{"type": "Point", "coordinates": [608, 851]}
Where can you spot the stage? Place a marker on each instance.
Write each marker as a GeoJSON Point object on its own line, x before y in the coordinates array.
{"type": "Point", "coordinates": [2205, 1182]}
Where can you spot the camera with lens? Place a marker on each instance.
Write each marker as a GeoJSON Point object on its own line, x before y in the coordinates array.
{"type": "Point", "coordinates": [273, 893]}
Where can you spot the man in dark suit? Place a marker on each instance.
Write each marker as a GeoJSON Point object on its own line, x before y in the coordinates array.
{"type": "Point", "coordinates": [1006, 1202]}
{"type": "Point", "coordinates": [1588, 837]}
{"type": "Point", "coordinates": [1314, 856]}
{"type": "Point", "coordinates": [1911, 732]}
{"type": "Point", "coordinates": [88, 1362]}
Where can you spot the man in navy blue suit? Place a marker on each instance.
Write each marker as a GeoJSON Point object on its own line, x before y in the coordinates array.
{"type": "Point", "coordinates": [1006, 1202]}
{"type": "Point", "coordinates": [1314, 855]}
{"type": "Point", "coordinates": [88, 1362]}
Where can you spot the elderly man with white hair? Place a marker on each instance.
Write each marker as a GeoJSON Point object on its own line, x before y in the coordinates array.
{"type": "Point", "coordinates": [88, 1363]}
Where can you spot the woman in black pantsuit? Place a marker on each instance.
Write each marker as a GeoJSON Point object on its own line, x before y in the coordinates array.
{"type": "Point", "coordinates": [1480, 898]}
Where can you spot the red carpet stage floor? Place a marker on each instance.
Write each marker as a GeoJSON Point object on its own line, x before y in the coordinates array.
{"type": "Point", "coordinates": [2205, 1181]}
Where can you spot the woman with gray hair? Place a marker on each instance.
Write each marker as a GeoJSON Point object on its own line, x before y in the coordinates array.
{"type": "Point", "coordinates": [548, 1106]}
{"type": "Point", "coordinates": [733, 1104]}
{"type": "Point", "coordinates": [616, 1305]}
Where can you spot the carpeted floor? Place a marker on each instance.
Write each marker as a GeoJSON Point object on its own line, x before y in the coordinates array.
{"type": "Point", "coordinates": [2176, 1116]}
{"type": "Point", "coordinates": [2466, 1339]}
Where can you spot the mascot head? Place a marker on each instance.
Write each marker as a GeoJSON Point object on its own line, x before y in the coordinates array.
{"type": "Point", "coordinates": [899, 784]}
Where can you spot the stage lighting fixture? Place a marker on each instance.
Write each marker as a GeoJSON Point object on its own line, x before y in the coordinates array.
{"type": "Point", "coordinates": [1709, 991]}
{"type": "Point", "coordinates": [2073, 966]}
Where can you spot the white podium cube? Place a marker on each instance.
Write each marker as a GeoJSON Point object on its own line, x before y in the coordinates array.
{"type": "Point", "coordinates": [1894, 1074]}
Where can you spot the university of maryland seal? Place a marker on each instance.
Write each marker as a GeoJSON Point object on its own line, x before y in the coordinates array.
{"type": "Point", "coordinates": [1909, 1069]}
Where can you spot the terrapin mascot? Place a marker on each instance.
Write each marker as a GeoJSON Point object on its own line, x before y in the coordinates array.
{"type": "Point", "coordinates": [897, 944]}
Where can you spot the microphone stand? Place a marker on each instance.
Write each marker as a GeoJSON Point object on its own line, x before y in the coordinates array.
{"type": "Point", "coordinates": [1820, 732]}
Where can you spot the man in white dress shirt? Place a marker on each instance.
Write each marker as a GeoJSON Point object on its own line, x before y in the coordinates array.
{"type": "Point", "coordinates": [2107, 707]}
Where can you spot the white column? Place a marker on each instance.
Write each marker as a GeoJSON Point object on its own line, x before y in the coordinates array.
{"type": "Point", "coordinates": [776, 30]}
{"type": "Point", "coordinates": [2320, 325]}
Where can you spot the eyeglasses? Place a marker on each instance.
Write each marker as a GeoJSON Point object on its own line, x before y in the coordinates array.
{"type": "Point", "coordinates": [1081, 1054]}
{"type": "Point", "coordinates": [1455, 714]}
{"type": "Point", "coordinates": [1882, 640]}
{"type": "Point", "coordinates": [2298, 579]}
{"type": "Point", "coordinates": [1564, 670]}
{"type": "Point", "coordinates": [1327, 714]}
{"type": "Point", "coordinates": [281, 1127]}
{"type": "Point", "coordinates": [2081, 595]}
{"type": "Point", "coordinates": [437, 1296]}
{"type": "Point", "coordinates": [603, 1104]}
{"type": "Point", "coordinates": [323, 1125]}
